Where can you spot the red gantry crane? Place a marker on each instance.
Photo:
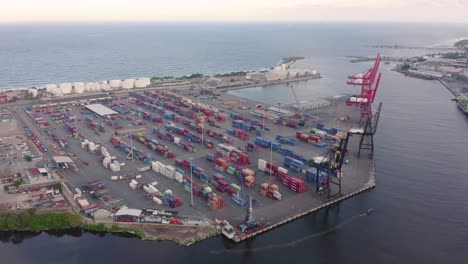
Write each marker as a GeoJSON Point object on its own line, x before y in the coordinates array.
{"type": "Point", "coordinates": [368, 89]}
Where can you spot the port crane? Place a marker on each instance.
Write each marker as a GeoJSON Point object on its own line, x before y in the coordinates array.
{"type": "Point", "coordinates": [369, 83]}
{"type": "Point", "coordinates": [298, 103]}
{"type": "Point", "coordinates": [367, 134]}
{"type": "Point", "coordinates": [331, 164]}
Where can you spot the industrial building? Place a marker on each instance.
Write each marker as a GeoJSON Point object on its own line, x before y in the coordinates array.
{"type": "Point", "coordinates": [100, 109]}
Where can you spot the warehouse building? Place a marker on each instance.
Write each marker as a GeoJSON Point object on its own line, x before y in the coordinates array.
{"type": "Point", "coordinates": [100, 109]}
{"type": "Point", "coordinates": [126, 214]}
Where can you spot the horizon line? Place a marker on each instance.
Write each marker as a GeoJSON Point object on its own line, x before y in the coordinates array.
{"type": "Point", "coordinates": [234, 22]}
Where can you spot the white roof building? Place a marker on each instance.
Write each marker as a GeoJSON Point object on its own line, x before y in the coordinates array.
{"type": "Point", "coordinates": [128, 212]}
{"type": "Point", "coordinates": [100, 109]}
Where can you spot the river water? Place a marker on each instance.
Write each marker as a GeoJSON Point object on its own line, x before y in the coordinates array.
{"type": "Point", "coordinates": [420, 203]}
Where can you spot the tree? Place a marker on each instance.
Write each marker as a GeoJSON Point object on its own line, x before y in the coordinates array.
{"type": "Point", "coordinates": [58, 186]}
{"type": "Point", "coordinates": [28, 158]}
{"type": "Point", "coordinates": [17, 183]}
{"type": "Point", "coordinates": [405, 67]}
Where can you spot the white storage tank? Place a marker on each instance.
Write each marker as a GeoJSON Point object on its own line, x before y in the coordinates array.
{"type": "Point", "coordinates": [142, 82]}
{"type": "Point", "coordinates": [128, 83]}
{"type": "Point", "coordinates": [32, 92]}
{"type": "Point", "coordinates": [66, 88]}
{"type": "Point", "coordinates": [106, 87]}
{"type": "Point", "coordinates": [78, 87]}
{"type": "Point", "coordinates": [115, 84]}
{"type": "Point", "coordinates": [51, 87]}
{"type": "Point", "coordinates": [90, 86]}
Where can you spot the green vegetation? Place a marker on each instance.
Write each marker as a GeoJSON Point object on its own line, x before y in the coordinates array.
{"type": "Point", "coordinates": [462, 43]}
{"type": "Point", "coordinates": [420, 59]}
{"type": "Point", "coordinates": [18, 182]}
{"type": "Point", "coordinates": [28, 158]}
{"type": "Point", "coordinates": [114, 229]}
{"type": "Point", "coordinates": [191, 76]}
{"type": "Point", "coordinates": [29, 220]}
{"type": "Point", "coordinates": [405, 67]}
{"type": "Point", "coordinates": [58, 186]}
{"type": "Point", "coordinates": [156, 78]}
{"type": "Point", "coordinates": [454, 55]}
{"type": "Point", "coordinates": [239, 73]}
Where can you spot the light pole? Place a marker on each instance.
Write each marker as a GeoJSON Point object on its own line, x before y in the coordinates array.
{"type": "Point", "coordinates": [191, 183]}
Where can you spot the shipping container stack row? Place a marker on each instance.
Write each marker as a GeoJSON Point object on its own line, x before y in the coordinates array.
{"type": "Point", "coordinates": [72, 130]}
{"type": "Point", "coordinates": [41, 122]}
{"type": "Point", "coordinates": [167, 170]}
{"type": "Point", "coordinates": [277, 147]}
{"type": "Point", "coordinates": [316, 176]}
{"type": "Point", "coordinates": [94, 125]}
{"type": "Point", "coordinates": [294, 164]}
{"type": "Point", "coordinates": [154, 145]}
{"type": "Point", "coordinates": [218, 181]}
{"type": "Point", "coordinates": [61, 141]}
{"type": "Point", "coordinates": [284, 140]}
{"type": "Point", "coordinates": [287, 123]}
{"type": "Point", "coordinates": [126, 148]}
{"type": "Point", "coordinates": [35, 140]}
{"type": "Point", "coordinates": [294, 183]}
{"type": "Point", "coordinates": [270, 190]}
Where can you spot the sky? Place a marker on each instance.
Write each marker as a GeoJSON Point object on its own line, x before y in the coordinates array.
{"type": "Point", "coordinates": [433, 11]}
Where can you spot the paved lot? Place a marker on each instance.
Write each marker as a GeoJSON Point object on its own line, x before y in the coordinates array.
{"type": "Point", "coordinates": [266, 210]}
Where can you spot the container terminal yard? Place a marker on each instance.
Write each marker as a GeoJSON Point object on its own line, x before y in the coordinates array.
{"type": "Point", "coordinates": [197, 157]}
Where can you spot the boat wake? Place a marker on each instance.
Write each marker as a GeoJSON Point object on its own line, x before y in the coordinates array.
{"type": "Point", "coordinates": [294, 243]}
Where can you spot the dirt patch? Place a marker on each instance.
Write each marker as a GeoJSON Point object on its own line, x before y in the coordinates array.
{"type": "Point", "coordinates": [184, 235]}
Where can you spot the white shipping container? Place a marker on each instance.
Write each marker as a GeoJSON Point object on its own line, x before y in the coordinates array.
{"type": "Point", "coordinates": [103, 151]}
{"type": "Point", "coordinates": [134, 182]}
{"type": "Point", "coordinates": [146, 189]}
{"type": "Point", "coordinates": [262, 161]}
{"type": "Point", "coordinates": [114, 167]}
{"type": "Point", "coordinates": [154, 183]}
{"type": "Point", "coordinates": [283, 170]}
{"type": "Point", "coordinates": [157, 200]}
{"type": "Point", "coordinates": [145, 168]}
{"type": "Point", "coordinates": [170, 171]}
{"type": "Point", "coordinates": [179, 177]}
{"type": "Point", "coordinates": [261, 167]}
{"type": "Point", "coordinates": [114, 178]}
{"type": "Point", "coordinates": [92, 146]}
{"type": "Point", "coordinates": [162, 169]}
{"type": "Point", "coordinates": [156, 168]}
{"type": "Point", "coordinates": [168, 191]}
{"type": "Point", "coordinates": [277, 195]}
{"type": "Point", "coordinates": [138, 176]}
{"type": "Point", "coordinates": [122, 164]}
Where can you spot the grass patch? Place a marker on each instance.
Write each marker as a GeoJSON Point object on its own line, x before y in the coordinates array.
{"type": "Point", "coordinates": [30, 221]}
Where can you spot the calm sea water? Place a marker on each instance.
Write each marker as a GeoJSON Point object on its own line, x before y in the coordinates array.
{"type": "Point", "coordinates": [421, 205]}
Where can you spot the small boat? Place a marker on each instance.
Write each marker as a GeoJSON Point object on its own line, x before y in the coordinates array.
{"type": "Point", "coordinates": [369, 211]}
